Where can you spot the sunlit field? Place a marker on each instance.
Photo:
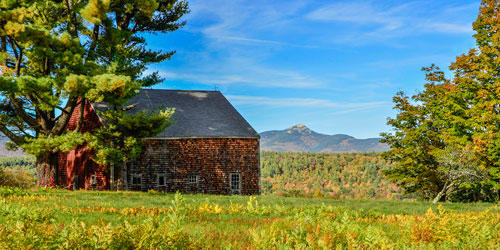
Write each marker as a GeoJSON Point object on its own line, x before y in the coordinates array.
{"type": "Point", "coordinates": [53, 219]}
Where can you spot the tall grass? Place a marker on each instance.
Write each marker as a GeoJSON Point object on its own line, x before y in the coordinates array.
{"type": "Point", "coordinates": [54, 219]}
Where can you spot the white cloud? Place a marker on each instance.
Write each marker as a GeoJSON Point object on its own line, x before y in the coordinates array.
{"type": "Point", "coordinates": [448, 27]}
{"type": "Point", "coordinates": [239, 20]}
{"type": "Point", "coordinates": [372, 21]}
{"type": "Point", "coordinates": [250, 40]}
{"type": "Point", "coordinates": [241, 39]}
{"type": "Point", "coordinates": [267, 79]}
{"type": "Point", "coordinates": [355, 12]}
{"type": "Point", "coordinates": [302, 102]}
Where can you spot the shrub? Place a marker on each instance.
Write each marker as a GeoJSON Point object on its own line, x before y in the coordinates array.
{"type": "Point", "coordinates": [16, 178]}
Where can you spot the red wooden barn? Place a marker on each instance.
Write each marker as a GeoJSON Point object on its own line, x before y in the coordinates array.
{"type": "Point", "coordinates": [210, 148]}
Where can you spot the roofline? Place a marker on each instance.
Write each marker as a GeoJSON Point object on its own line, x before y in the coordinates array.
{"type": "Point", "coordinates": [96, 113]}
{"type": "Point", "coordinates": [256, 136]}
{"type": "Point", "coordinates": [201, 137]}
{"type": "Point", "coordinates": [184, 90]}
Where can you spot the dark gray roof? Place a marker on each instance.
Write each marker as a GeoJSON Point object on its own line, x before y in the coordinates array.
{"type": "Point", "coordinates": [197, 113]}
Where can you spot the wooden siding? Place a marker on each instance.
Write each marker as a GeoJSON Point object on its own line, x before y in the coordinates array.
{"type": "Point", "coordinates": [77, 161]}
{"type": "Point", "coordinates": [212, 159]}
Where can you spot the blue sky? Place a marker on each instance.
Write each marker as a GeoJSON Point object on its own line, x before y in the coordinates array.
{"type": "Point", "coordinates": [332, 65]}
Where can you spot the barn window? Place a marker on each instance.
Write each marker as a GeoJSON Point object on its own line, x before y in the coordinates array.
{"type": "Point", "coordinates": [92, 180]}
{"type": "Point", "coordinates": [136, 179]}
{"type": "Point", "coordinates": [235, 182]}
{"type": "Point", "coordinates": [162, 180]}
{"type": "Point", "coordinates": [75, 183]}
{"type": "Point", "coordinates": [193, 179]}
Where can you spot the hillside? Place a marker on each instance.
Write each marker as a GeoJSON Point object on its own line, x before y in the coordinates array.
{"type": "Point", "coordinates": [336, 175]}
{"type": "Point", "coordinates": [300, 138]}
{"type": "Point", "coordinates": [7, 153]}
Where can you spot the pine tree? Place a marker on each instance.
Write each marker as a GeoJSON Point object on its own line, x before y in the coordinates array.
{"type": "Point", "coordinates": [55, 55]}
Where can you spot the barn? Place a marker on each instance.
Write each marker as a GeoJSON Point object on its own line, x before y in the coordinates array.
{"type": "Point", "coordinates": [210, 148]}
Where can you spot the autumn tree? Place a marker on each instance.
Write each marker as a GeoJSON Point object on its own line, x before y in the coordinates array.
{"type": "Point", "coordinates": [54, 55]}
{"type": "Point", "coordinates": [462, 112]}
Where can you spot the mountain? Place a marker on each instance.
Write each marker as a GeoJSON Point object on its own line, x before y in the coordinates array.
{"type": "Point", "coordinates": [7, 153]}
{"type": "Point", "coordinates": [300, 138]}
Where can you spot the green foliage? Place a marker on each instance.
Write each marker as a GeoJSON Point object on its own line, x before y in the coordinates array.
{"type": "Point", "coordinates": [127, 220]}
{"type": "Point", "coordinates": [459, 114]}
{"type": "Point", "coordinates": [12, 191]}
{"type": "Point", "coordinates": [415, 139]}
{"type": "Point", "coordinates": [17, 172]}
{"type": "Point", "coordinates": [27, 163]}
{"type": "Point", "coordinates": [63, 143]}
{"type": "Point", "coordinates": [55, 55]}
{"type": "Point", "coordinates": [335, 175]}
{"type": "Point", "coordinates": [16, 178]}
{"type": "Point", "coordinates": [119, 141]}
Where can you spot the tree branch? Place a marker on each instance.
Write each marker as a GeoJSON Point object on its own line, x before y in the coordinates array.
{"type": "Point", "coordinates": [19, 56]}
{"type": "Point", "coordinates": [63, 119]}
{"type": "Point", "coordinates": [125, 19]}
{"type": "Point", "coordinates": [4, 49]}
{"type": "Point", "coordinates": [22, 113]}
{"type": "Point", "coordinates": [42, 100]}
{"type": "Point", "coordinates": [13, 137]}
{"type": "Point", "coordinates": [74, 30]}
{"type": "Point", "coordinates": [21, 129]}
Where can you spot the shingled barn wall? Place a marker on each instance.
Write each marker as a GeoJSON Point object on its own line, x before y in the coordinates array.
{"type": "Point", "coordinates": [78, 162]}
{"type": "Point", "coordinates": [211, 159]}
{"type": "Point", "coordinates": [212, 149]}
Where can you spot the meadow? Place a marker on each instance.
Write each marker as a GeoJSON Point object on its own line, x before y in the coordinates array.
{"type": "Point", "coordinates": [56, 219]}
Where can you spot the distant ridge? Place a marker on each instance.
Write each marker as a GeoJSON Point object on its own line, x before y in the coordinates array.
{"type": "Point", "coordinates": [300, 138]}
{"type": "Point", "coordinates": [7, 153]}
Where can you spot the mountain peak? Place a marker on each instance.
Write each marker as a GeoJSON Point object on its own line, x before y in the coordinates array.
{"type": "Point", "coordinates": [300, 138]}
{"type": "Point", "coordinates": [301, 128]}
{"type": "Point", "coordinates": [298, 125]}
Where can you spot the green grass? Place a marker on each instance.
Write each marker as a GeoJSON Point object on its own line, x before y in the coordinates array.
{"type": "Point", "coordinates": [148, 200]}
{"type": "Point", "coordinates": [214, 221]}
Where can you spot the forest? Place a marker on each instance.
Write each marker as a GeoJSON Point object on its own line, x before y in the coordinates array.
{"type": "Point", "coordinates": [17, 172]}
{"type": "Point", "coordinates": [335, 175]}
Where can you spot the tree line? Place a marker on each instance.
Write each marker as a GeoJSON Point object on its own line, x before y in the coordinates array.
{"type": "Point", "coordinates": [17, 171]}
{"type": "Point", "coordinates": [334, 175]}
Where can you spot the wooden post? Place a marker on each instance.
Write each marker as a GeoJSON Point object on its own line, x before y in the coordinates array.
{"type": "Point", "coordinates": [124, 175]}
{"type": "Point", "coordinates": [112, 177]}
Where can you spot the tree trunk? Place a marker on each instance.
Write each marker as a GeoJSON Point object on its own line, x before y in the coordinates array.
{"type": "Point", "coordinates": [447, 187]}
{"type": "Point", "coordinates": [112, 182]}
{"type": "Point", "coordinates": [124, 175]}
{"type": "Point", "coordinates": [46, 170]}
{"type": "Point", "coordinates": [120, 179]}
{"type": "Point", "coordinates": [439, 196]}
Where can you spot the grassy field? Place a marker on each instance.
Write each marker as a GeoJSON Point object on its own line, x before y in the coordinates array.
{"type": "Point", "coordinates": [53, 219]}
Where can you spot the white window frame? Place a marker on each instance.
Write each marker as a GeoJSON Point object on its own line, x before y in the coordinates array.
{"type": "Point", "coordinates": [235, 190]}
{"type": "Point", "coordinates": [138, 176]}
{"type": "Point", "coordinates": [93, 180]}
{"type": "Point", "coordinates": [164, 180]}
{"type": "Point", "coordinates": [194, 180]}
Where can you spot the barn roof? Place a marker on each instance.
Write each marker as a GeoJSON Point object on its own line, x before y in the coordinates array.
{"type": "Point", "coordinates": [197, 113]}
